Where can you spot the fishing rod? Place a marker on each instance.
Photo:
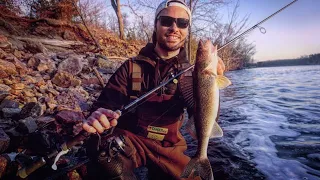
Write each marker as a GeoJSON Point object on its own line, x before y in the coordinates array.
{"type": "Point", "coordinates": [65, 147]}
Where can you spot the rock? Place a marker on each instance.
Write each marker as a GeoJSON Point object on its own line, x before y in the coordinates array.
{"type": "Point", "coordinates": [75, 99]}
{"type": "Point", "coordinates": [5, 45]}
{"type": "Point", "coordinates": [53, 91]}
{"type": "Point", "coordinates": [8, 67]}
{"type": "Point", "coordinates": [33, 62]}
{"type": "Point", "coordinates": [43, 120]}
{"type": "Point", "coordinates": [77, 128]}
{"type": "Point", "coordinates": [16, 92]}
{"type": "Point", "coordinates": [45, 62]}
{"type": "Point", "coordinates": [6, 124]}
{"type": "Point", "coordinates": [26, 56]}
{"type": "Point", "coordinates": [2, 54]}
{"type": "Point", "coordinates": [40, 81]}
{"type": "Point", "coordinates": [46, 77]}
{"type": "Point", "coordinates": [3, 74]}
{"type": "Point", "coordinates": [4, 141]}
{"type": "Point", "coordinates": [27, 125]}
{"type": "Point", "coordinates": [91, 80]}
{"type": "Point", "coordinates": [72, 65]}
{"type": "Point", "coordinates": [18, 86]}
{"type": "Point", "coordinates": [3, 94]}
{"type": "Point", "coordinates": [64, 55]}
{"type": "Point", "coordinates": [35, 47]}
{"type": "Point", "coordinates": [17, 54]}
{"type": "Point", "coordinates": [42, 67]}
{"type": "Point", "coordinates": [10, 112]}
{"type": "Point", "coordinates": [69, 117]}
{"type": "Point", "coordinates": [7, 82]}
{"type": "Point", "coordinates": [4, 87]}
{"type": "Point", "coordinates": [28, 93]}
{"type": "Point", "coordinates": [6, 103]}
{"type": "Point", "coordinates": [105, 64]}
{"type": "Point", "coordinates": [31, 109]}
{"type": "Point", "coordinates": [31, 99]}
{"type": "Point", "coordinates": [29, 80]}
{"type": "Point", "coordinates": [75, 82]}
{"type": "Point", "coordinates": [19, 65]}
{"type": "Point", "coordinates": [65, 80]}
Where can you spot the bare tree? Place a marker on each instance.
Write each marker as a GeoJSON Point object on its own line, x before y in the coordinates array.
{"type": "Point", "coordinates": [235, 55]}
{"type": "Point", "coordinates": [93, 12]}
{"type": "Point", "coordinates": [143, 28]}
{"type": "Point", "coordinates": [117, 8]}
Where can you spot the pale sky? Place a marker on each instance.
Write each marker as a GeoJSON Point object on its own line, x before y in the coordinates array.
{"type": "Point", "coordinates": [290, 34]}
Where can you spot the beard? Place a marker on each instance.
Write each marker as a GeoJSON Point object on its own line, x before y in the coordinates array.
{"type": "Point", "coordinates": [167, 46]}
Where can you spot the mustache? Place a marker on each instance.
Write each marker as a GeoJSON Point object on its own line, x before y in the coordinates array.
{"type": "Point", "coordinates": [172, 33]}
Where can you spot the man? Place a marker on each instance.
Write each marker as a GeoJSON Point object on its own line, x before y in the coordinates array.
{"type": "Point", "coordinates": [151, 131]}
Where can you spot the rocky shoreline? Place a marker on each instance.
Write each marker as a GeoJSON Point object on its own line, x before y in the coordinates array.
{"type": "Point", "coordinates": [45, 93]}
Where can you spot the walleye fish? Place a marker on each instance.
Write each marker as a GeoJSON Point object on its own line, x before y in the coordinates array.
{"type": "Point", "coordinates": [206, 94]}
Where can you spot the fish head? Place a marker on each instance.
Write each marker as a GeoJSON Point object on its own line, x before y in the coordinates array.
{"type": "Point", "coordinates": [207, 58]}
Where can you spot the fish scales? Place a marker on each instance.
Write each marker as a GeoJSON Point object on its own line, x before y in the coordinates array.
{"type": "Point", "coordinates": [206, 84]}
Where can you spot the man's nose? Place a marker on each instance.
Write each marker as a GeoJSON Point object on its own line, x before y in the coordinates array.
{"type": "Point", "coordinates": [174, 27]}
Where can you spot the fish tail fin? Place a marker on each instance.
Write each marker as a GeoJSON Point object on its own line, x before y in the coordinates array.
{"type": "Point", "coordinates": [223, 81]}
{"type": "Point", "coordinates": [199, 167]}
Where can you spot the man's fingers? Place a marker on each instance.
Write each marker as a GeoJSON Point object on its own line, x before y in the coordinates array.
{"type": "Point", "coordinates": [96, 124]}
{"type": "Point", "coordinates": [101, 120]}
{"type": "Point", "coordinates": [114, 122]}
{"type": "Point", "coordinates": [88, 128]}
{"type": "Point", "coordinates": [109, 113]}
{"type": "Point", "coordinates": [104, 121]}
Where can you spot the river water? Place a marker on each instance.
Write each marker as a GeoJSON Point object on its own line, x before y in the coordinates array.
{"type": "Point", "coordinates": [271, 122]}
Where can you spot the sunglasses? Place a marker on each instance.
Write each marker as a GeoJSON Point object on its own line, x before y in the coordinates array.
{"type": "Point", "coordinates": [167, 21]}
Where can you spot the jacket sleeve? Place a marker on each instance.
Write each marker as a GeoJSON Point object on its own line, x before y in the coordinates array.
{"type": "Point", "coordinates": [115, 94]}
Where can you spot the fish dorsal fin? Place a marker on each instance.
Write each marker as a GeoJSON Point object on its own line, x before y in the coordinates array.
{"type": "Point", "coordinates": [216, 131]}
{"type": "Point", "coordinates": [223, 81]}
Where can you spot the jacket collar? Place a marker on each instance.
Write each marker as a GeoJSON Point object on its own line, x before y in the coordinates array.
{"type": "Point", "coordinates": [148, 54]}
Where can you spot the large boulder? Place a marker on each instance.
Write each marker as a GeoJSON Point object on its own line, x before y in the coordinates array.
{"type": "Point", "coordinates": [72, 65]}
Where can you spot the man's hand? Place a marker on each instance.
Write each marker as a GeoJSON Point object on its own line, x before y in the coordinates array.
{"type": "Point", "coordinates": [221, 67]}
{"type": "Point", "coordinates": [101, 120]}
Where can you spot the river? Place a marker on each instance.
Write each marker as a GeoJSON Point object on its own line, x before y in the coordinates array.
{"type": "Point", "coordinates": [271, 122]}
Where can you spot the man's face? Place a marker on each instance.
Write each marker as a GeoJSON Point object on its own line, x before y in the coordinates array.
{"type": "Point", "coordinates": [171, 38]}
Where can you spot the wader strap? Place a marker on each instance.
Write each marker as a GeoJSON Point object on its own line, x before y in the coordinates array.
{"type": "Point", "coordinates": [136, 79]}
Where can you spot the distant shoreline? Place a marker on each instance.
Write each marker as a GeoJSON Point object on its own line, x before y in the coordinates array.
{"type": "Point", "coordinates": [313, 59]}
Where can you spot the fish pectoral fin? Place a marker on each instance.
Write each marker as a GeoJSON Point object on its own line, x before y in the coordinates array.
{"type": "Point", "coordinates": [223, 81]}
{"type": "Point", "coordinates": [199, 167]}
{"type": "Point", "coordinates": [216, 131]}
{"type": "Point", "coordinates": [208, 71]}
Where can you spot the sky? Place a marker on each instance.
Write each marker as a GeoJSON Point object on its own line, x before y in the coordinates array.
{"type": "Point", "coordinates": [290, 34]}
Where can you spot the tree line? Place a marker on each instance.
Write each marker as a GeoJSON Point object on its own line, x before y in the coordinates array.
{"type": "Point", "coordinates": [312, 59]}
{"type": "Point", "coordinates": [134, 20]}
